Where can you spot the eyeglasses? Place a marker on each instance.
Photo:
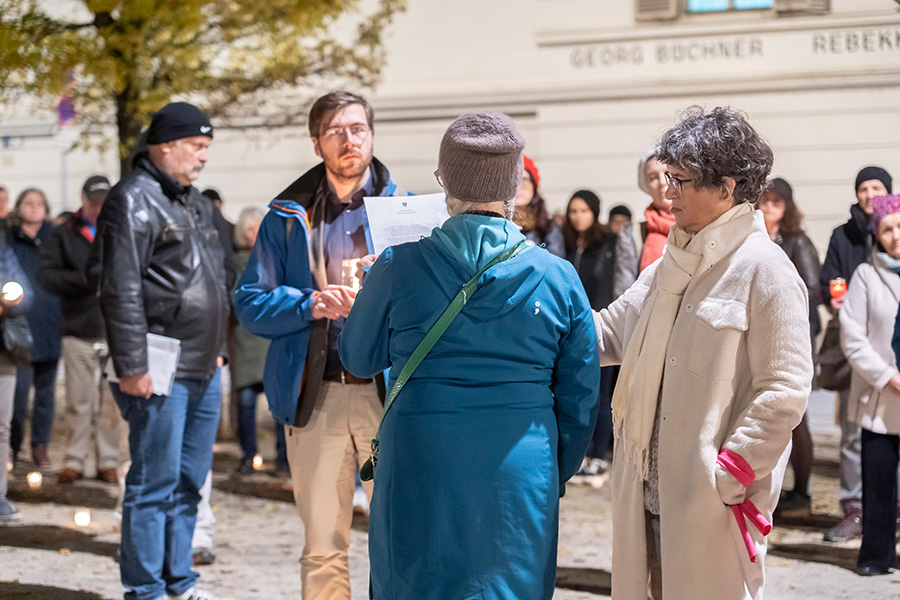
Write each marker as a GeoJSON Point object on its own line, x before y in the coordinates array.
{"type": "Point", "coordinates": [357, 133]}
{"type": "Point", "coordinates": [437, 175]}
{"type": "Point", "coordinates": [671, 180]}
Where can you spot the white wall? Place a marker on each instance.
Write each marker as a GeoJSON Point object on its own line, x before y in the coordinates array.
{"type": "Point", "coordinates": [590, 90]}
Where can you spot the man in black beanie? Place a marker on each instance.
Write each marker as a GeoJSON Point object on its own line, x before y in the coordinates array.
{"type": "Point", "coordinates": [850, 246]}
{"type": "Point", "coordinates": [163, 273]}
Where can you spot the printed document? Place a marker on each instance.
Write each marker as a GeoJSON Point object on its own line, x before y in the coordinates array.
{"type": "Point", "coordinates": [398, 219]}
{"type": "Point", "coordinates": [162, 363]}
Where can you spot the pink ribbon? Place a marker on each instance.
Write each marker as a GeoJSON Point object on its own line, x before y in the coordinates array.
{"type": "Point", "coordinates": [735, 464]}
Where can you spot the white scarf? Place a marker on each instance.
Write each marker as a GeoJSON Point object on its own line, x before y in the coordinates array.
{"type": "Point", "coordinates": [637, 392]}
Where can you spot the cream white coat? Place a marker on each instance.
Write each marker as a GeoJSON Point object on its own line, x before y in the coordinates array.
{"type": "Point", "coordinates": [737, 375]}
{"type": "Point", "coordinates": [867, 323]}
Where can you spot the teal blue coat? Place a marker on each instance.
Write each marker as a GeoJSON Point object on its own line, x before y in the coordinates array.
{"type": "Point", "coordinates": [479, 443]}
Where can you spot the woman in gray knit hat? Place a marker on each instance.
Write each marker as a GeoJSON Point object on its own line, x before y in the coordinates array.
{"type": "Point", "coordinates": [475, 450]}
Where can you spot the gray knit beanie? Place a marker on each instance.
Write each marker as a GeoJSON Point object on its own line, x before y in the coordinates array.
{"type": "Point", "coordinates": [481, 158]}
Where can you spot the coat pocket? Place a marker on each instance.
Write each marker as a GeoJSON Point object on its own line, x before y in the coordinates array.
{"type": "Point", "coordinates": [718, 332]}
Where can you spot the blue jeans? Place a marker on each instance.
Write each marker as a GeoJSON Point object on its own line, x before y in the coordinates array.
{"type": "Point", "coordinates": [247, 397]}
{"type": "Point", "coordinates": [171, 439]}
{"type": "Point", "coordinates": [41, 374]}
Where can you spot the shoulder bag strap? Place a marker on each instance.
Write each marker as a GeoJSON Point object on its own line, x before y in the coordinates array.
{"type": "Point", "coordinates": [425, 346]}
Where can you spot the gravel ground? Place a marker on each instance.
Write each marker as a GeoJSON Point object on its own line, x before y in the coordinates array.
{"type": "Point", "coordinates": [259, 537]}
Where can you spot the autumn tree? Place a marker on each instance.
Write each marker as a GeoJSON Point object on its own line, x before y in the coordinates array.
{"type": "Point", "coordinates": [234, 58]}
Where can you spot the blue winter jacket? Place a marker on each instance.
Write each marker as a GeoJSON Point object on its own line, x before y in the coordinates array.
{"type": "Point", "coordinates": [274, 295]}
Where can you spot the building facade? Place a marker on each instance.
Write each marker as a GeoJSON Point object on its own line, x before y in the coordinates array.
{"type": "Point", "coordinates": [592, 84]}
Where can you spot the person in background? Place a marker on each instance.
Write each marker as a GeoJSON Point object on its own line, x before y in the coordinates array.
{"type": "Point", "coordinates": [29, 228]}
{"type": "Point", "coordinates": [90, 407]}
{"type": "Point", "coordinates": [707, 396]}
{"type": "Point", "coordinates": [11, 304]}
{"type": "Point", "coordinates": [606, 263]}
{"type": "Point", "coordinates": [784, 223]}
{"type": "Point", "coordinates": [532, 216]}
{"type": "Point", "coordinates": [62, 217]}
{"type": "Point", "coordinates": [477, 448]}
{"type": "Point", "coordinates": [222, 224]}
{"type": "Point", "coordinates": [619, 217]}
{"type": "Point", "coordinates": [249, 359]}
{"type": "Point", "coordinates": [868, 332]}
{"type": "Point", "coordinates": [850, 246]}
{"type": "Point", "coordinates": [163, 272]}
{"type": "Point", "coordinates": [4, 202]}
{"type": "Point", "coordinates": [658, 215]}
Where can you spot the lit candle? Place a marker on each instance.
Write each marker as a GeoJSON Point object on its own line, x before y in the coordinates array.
{"type": "Point", "coordinates": [83, 517]}
{"type": "Point", "coordinates": [34, 479]}
{"type": "Point", "coordinates": [258, 462]}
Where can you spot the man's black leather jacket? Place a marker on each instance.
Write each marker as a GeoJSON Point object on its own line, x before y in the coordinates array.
{"type": "Point", "coordinates": [161, 271]}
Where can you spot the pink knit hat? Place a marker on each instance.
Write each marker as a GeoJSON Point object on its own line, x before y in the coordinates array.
{"type": "Point", "coordinates": [883, 206]}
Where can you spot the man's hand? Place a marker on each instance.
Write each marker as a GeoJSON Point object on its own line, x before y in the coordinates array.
{"type": "Point", "coordinates": [364, 263]}
{"type": "Point", "coordinates": [893, 385]}
{"type": "Point", "coordinates": [140, 385]}
{"type": "Point", "coordinates": [333, 302]}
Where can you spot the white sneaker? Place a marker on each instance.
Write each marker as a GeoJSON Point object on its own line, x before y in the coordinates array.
{"type": "Point", "coordinates": [195, 593]}
{"type": "Point", "coordinates": [360, 502]}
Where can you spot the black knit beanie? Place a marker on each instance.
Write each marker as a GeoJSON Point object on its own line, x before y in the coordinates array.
{"type": "Point", "coordinates": [783, 189]}
{"type": "Point", "coordinates": [871, 172]}
{"type": "Point", "coordinates": [590, 198]}
{"type": "Point", "coordinates": [620, 209]}
{"type": "Point", "coordinates": [178, 120]}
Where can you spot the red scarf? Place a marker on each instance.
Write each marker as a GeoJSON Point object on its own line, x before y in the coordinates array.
{"type": "Point", "coordinates": [658, 225]}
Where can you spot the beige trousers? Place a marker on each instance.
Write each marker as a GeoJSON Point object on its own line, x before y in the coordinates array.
{"type": "Point", "coordinates": [87, 408]}
{"type": "Point", "coordinates": [324, 457]}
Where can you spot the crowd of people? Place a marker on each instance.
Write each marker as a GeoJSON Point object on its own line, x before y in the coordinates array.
{"type": "Point", "coordinates": [454, 385]}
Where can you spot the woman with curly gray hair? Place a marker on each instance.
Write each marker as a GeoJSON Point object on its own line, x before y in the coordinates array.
{"type": "Point", "coordinates": [715, 351]}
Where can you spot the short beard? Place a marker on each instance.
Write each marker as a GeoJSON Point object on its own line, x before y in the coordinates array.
{"type": "Point", "coordinates": [347, 174]}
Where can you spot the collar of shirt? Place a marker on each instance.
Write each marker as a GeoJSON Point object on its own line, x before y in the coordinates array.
{"type": "Point", "coordinates": [334, 206]}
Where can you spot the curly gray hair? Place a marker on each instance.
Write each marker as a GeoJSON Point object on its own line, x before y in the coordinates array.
{"type": "Point", "coordinates": [717, 144]}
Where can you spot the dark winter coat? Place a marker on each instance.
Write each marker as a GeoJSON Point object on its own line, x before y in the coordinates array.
{"type": "Point", "coordinates": [805, 257]}
{"type": "Point", "coordinates": [45, 313]}
{"type": "Point", "coordinates": [162, 271]}
{"type": "Point", "coordinates": [850, 246]}
{"type": "Point", "coordinates": [63, 272]}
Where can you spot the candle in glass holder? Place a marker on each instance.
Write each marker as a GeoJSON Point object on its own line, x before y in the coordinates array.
{"type": "Point", "coordinates": [83, 517]}
{"type": "Point", "coordinates": [258, 462]}
{"type": "Point", "coordinates": [35, 479]}
{"type": "Point", "coordinates": [837, 287]}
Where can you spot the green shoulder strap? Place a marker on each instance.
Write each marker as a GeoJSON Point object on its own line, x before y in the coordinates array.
{"type": "Point", "coordinates": [367, 472]}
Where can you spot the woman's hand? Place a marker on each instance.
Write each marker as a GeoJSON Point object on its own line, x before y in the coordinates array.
{"type": "Point", "coordinates": [836, 304]}
{"type": "Point", "coordinates": [893, 385]}
{"type": "Point", "coordinates": [364, 264]}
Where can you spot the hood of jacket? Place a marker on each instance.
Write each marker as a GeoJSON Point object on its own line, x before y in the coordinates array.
{"type": "Point", "coordinates": [465, 243]}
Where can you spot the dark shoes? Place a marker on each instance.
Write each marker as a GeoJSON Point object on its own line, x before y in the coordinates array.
{"type": "Point", "coordinates": [68, 476]}
{"type": "Point", "coordinates": [246, 467]}
{"type": "Point", "coordinates": [108, 475]}
{"type": "Point", "coordinates": [39, 456]}
{"type": "Point", "coordinates": [793, 504]}
{"type": "Point", "coordinates": [203, 556]}
{"type": "Point", "coordinates": [868, 571]}
{"type": "Point", "coordinates": [849, 527]}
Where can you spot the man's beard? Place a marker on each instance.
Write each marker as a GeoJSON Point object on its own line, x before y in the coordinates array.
{"type": "Point", "coordinates": [348, 172]}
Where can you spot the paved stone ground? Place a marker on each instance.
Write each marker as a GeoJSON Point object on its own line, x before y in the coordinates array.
{"type": "Point", "coordinates": [259, 538]}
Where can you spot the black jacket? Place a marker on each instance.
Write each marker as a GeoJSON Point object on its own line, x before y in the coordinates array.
{"type": "Point", "coordinates": [63, 272]}
{"type": "Point", "coordinates": [803, 254]}
{"type": "Point", "coordinates": [162, 270]}
{"type": "Point", "coordinates": [850, 246]}
{"type": "Point", "coordinates": [596, 267]}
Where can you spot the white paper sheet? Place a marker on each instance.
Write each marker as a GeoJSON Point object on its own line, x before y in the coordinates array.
{"type": "Point", "coordinates": [162, 363]}
{"type": "Point", "coordinates": [397, 219]}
